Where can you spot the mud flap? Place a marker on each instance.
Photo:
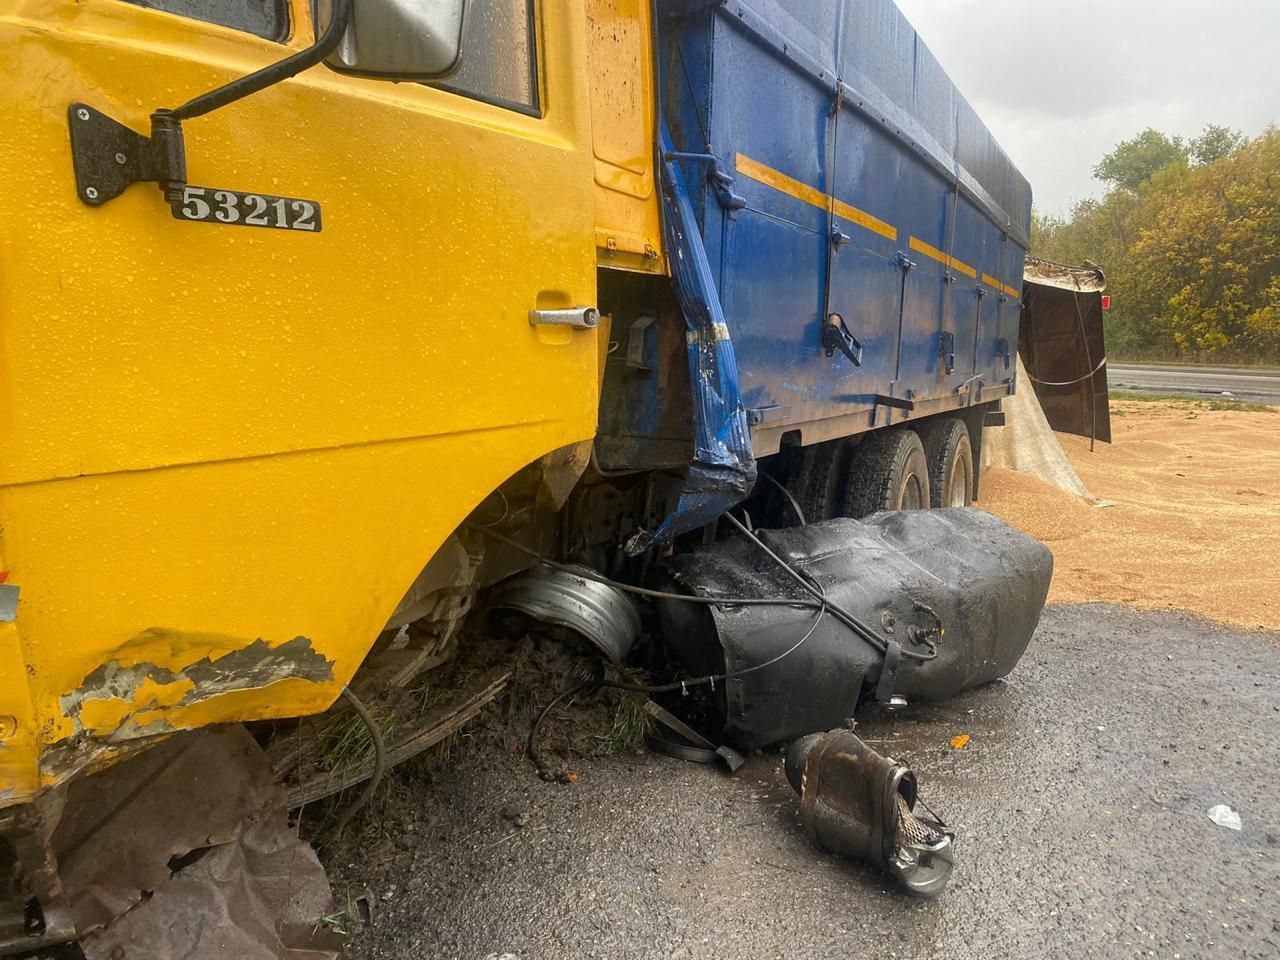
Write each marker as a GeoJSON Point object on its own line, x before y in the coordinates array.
{"type": "Point", "coordinates": [959, 587]}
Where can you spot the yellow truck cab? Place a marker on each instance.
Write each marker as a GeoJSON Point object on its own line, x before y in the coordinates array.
{"type": "Point", "coordinates": [226, 452]}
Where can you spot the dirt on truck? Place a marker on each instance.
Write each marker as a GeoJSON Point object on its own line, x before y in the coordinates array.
{"type": "Point", "coordinates": [665, 332]}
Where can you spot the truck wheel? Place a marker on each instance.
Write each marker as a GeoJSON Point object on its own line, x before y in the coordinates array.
{"type": "Point", "coordinates": [950, 457]}
{"type": "Point", "coordinates": [819, 481]}
{"type": "Point", "coordinates": [889, 472]}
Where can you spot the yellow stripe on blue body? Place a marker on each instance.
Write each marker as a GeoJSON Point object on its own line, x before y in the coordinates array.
{"type": "Point", "coordinates": [802, 191]}
{"type": "Point", "coordinates": [1002, 287]}
{"type": "Point", "coordinates": [777, 180]}
{"type": "Point", "coordinates": [933, 253]}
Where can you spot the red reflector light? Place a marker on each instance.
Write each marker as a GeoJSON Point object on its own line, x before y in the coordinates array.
{"type": "Point", "coordinates": [1106, 301]}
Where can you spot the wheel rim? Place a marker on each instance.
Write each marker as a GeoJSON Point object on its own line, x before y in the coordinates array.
{"type": "Point", "coordinates": [958, 485]}
{"type": "Point", "coordinates": [914, 496]}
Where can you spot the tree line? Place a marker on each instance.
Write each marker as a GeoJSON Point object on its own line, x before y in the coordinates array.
{"type": "Point", "coordinates": [1188, 234]}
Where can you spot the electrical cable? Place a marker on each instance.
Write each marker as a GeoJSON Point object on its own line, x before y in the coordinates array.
{"type": "Point", "coordinates": [820, 598]}
{"type": "Point", "coordinates": [645, 591]}
{"type": "Point", "coordinates": [848, 619]}
{"type": "Point", "coordinates": [379, 761]}
{"type": "Point", "coordinates": [531, 743]}
{"type": "Point", "coordinates": [795, 504]}
{"type": "Point", "coordinates": [1069, 383]}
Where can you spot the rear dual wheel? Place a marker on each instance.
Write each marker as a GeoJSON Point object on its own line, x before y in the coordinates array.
{"type": "Point", "coordinates": [950, 457]}
{"type": "Point", "coordinates": [891, 469]}
{"type": "Point", "coordinates": [888, 471]}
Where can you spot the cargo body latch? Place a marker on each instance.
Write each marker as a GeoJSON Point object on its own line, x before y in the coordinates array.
{"type": "Point", "coordinates": [837, 336]}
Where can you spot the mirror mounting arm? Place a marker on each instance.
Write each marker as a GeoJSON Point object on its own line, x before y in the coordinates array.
{"type": "Point", "coordinates": [271, 74]}
{"type": "Point", "coordinates": [108, 156]}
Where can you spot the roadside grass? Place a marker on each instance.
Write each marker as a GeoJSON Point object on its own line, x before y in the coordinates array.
{"type": "Point", "coordinates": [631, 725]}
{"type": "Point", "coordinates": [1208, 403]}
{"type": "Point", "coordinates": [345, 741]}
{"type": "Point", "coordinates": [1240, 363]}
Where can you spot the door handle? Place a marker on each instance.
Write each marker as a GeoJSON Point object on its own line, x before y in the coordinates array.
{"type": "Point", "coordinates": [582, 318]}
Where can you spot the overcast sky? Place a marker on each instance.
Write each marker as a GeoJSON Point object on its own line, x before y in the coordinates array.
{"type": "Point", "coordinates": [1060, 82]}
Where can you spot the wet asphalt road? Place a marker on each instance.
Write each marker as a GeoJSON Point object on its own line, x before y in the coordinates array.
{"type": "Point", "coordinates": [1080, 805]}
{"type": "Point", "coordinates": [1254, 385]}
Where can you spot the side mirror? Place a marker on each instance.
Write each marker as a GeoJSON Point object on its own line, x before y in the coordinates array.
{"type": "Point", "coordinates": [398, 39]}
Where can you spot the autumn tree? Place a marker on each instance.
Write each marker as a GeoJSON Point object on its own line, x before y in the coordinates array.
{"type": "Point", "coordinates": [1133, 162]}
{"type": "Point", "coordinates": [1189, 238]}
{"type": "Point", "coordinates": [1215, 143]}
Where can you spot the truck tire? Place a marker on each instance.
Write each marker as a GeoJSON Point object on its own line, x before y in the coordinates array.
{"type": "Point", "coordinates": [889, 472]}
{"type": "Point", "coordinates": [819, 480]}
{"type": "Point", "coordinates": [950, 456]}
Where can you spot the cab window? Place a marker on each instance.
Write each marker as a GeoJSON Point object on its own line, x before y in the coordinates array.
{"type": "Point", "coordinates": [499, 56]}
{"type": "Point", "coordinates": [268, 19]}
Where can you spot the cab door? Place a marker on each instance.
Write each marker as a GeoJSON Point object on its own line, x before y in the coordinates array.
{"type": "Point", "coordinates": [219, 441]}
{"type": "Point", "coordinates": [449, 212]}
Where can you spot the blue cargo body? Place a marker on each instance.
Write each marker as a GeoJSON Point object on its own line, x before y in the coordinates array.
{"type": "Point", "coordinates": [850, 178]}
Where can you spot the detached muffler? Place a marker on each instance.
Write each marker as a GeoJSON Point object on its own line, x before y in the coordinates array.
{"type": "Point", "coordinates": [950, 599]}
{"type": "Point", "coordinates": [858, 804]}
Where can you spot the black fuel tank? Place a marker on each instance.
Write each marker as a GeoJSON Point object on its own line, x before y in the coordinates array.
{"type": "Point", "coordinates": [960, 584]}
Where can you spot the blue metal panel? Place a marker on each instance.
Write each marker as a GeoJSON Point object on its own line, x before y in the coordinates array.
{"type": "Point", "coordinates": [723, 469]}
{"type": "Point", "coordinates": [840, 99]}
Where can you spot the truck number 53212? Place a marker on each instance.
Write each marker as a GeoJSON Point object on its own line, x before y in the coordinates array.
{"type": "Point", "coordinates": [247, 209]}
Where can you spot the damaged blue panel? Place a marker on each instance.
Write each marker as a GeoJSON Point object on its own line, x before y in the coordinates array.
{"type": "Point", "coordinates": [723, 469]}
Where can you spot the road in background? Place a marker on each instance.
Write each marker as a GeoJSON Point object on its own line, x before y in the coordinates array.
{"type": "Point", "coordinates": [1260, 385]}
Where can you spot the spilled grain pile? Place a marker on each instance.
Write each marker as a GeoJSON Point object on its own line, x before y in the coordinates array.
{"type": "Point", "coordinates": [1192, 514]}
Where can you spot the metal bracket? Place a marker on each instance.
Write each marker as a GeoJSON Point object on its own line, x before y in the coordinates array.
{"type": "Point", "coordinates": [839, 239]}
{"type": "Point", "coordinates": [836, 336]}
{"type": "Point", "coordinates": [759, 415]}
{"type": "Point", "coordinates": [637, 336]}
{"type": "Point", "coordinates": [947, 349]}
{"type": "Point", "coordinates": [905, 263]}
{"type": "Point", "coordinates": [971, 388]}
{"type": "Point", "coordinates": [1002, 351]}
{"type": "Point", "coordinates": [897, 403]}
{"type": "Point", "coordinates": [720, 179]}
{"type": "Point", "coordinates": [108, 156]}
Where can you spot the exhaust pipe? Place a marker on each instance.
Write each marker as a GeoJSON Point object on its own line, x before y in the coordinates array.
{"type": "Point", "coordinates": [860, 805]}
